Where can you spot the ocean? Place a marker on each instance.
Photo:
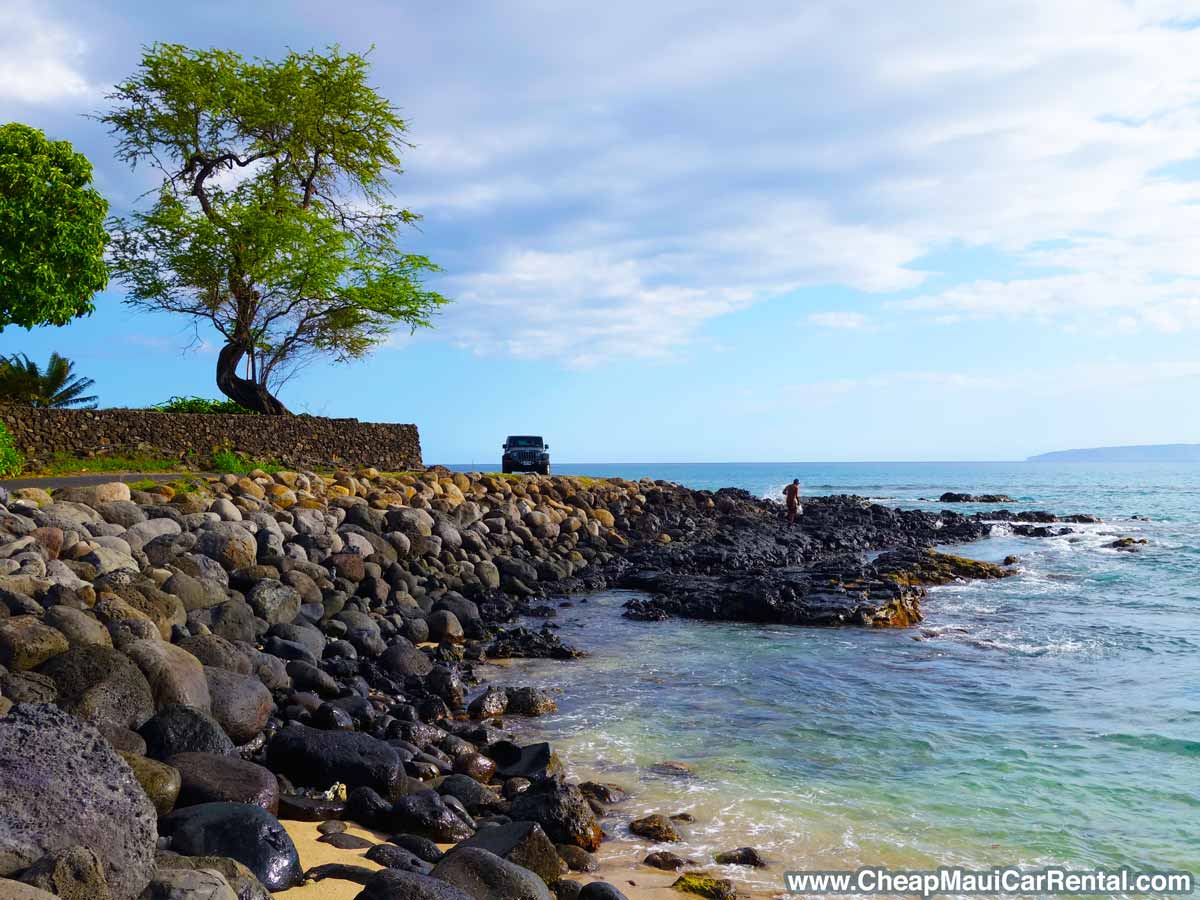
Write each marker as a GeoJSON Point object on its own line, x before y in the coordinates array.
{"type": "Point", "coordinates": [1052, 718]}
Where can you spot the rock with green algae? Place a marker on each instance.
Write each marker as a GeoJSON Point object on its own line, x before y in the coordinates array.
{"type": "Point", "coordinates": [160, 781]}
{"type": "Point", "coordinates": [241, 879]}
{"type": "Point", "coordinates": [655, 827]}
{"type": "Point", "coordinates": [911, 568]}
{"type": "Point", "coordinates": [705, 886]}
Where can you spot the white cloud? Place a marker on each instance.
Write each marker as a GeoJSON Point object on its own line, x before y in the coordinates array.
{"type": "Point", "coordinates": [591, 304]}
{"type": "Point", "coordinates": [836, 319]}
{"type": "Point", "coordinates": [39, 57]}
{"type": "Point", "coordinates": [604, 307]}
{"type": "Point", "coordinates": [659, 177]}
{"type": "Point", "coordinates": [1122, 300]}
{"type": "Point", "coordinates": [1060, 381]}
{"type": "Point", "coordinates": [600, 191]}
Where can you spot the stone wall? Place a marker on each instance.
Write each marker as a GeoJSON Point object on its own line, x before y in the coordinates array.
{"type": "Point", "coordinates": [291, 440]}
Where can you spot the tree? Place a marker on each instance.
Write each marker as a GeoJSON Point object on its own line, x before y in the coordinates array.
{"type": "Point", "coordinates": [51, 230]}
{"type": "Point", "coordinates": [272, 223]}
{"type": "Point", "coordinates": [23, 381]}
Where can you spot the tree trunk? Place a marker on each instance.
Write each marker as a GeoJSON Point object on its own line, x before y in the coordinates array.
{"type": "Point", "coordinates": [249, 394]}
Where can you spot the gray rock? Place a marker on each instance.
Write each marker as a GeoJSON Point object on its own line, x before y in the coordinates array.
{"type": "Point", "coordinates": [464, 610]}
{"type": "Point", "coordinates": [270, 670]}
{"type": "Point", "coordinates": [213, 650]}
{"type": "Point", "coordinates": [226, 510]}
{"type": "Point", "coordinates": [159, 780]}
{"type": "Point", "coordinates": [340, 872]}
{"type": "Point", "coordinates": [321, 758]}
{"type": "Point", "coordinates": [492, 702]}
{"type": "Point", "coordinates": [233, 620]}
{"type": "Point", "coordinates": [75, 873]}
{"type": "Point", "coordinates": [402, 658]}
{"type": "Point", "coordinates": [561, 810]}
{"type": "Point", "coordinates": [175, 676]}
{"type": "Point", "coordinates": [229, 544]}
{"type": "Point", "coordinates": [307, 677]}
{"type": "Point", "coordinates": [477, 799]}
{"type": "Point", "coordinates": [306, 635]}
{"type": "Point", "coordinates": [26, 642]}
{"type": "Point", "coordinates": [600, 890]}
{"type": "Point", "coordinates": [274, 601]}
{"type": "Point", "coordinates": [189, 884]}
{"type": "Point", "coordinates": [102, 685]}
{"type": "Point", "coordinates": [485, 876]}
{"type": "Point", "coordinates": [395, 884]}
{"type": "Point", "coordinates": [529, 701]}
{"type": "Point", "coordinates": [249, 834]}
{"type": "Point", "coordinates": [107, 560]}
{"type": "Point", "coordinates": [535, 761]}
{"type": "Point", "coordinates": [410, 520]}
{"type": "Point", "coordinates": [426, 814]}
{"type": "Point", "coordinates": [28, 687]}
{"type": "Point", "coordinates": [241, 704]}
{"type": "Point", "coordinates": [522, 843]}
{"type": "Point", "coordinates": [63, 787]}
{"type": "Point", "coordinates": [241, 879]}
{"type": "Point", "coordinates": [140, 534]}
{"type": "Point", "coordinates": [195, 593]}
{"type": "Point", "coordinates": [125, 513]}
{"type": "Point", "coordinates": [183, 729]}
{"type": "Point", "coordinates": [577, 859]}
{"type": "Point", "coordinates": [488, 575]}
{"type": "Point", "coordinates": [204, 568]}
{"type": "Point", "coordinates": [391, 856]}
{"type": "Point", "coordinates": [15, 890]}
{"type": "Point", "coordinates": [444, 626]}
{"type": "Point", "coordinates": [220, 778]}
{"type": "Point", "coordinates": [80, 629]}
{"type": "Point", "coordinates": [445, 682]}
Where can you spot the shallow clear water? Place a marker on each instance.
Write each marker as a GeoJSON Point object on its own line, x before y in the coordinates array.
{"type": "Point", "coordinates": [1053, 717]}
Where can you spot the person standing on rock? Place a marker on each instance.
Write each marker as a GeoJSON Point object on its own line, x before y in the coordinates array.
{"type": "Point", "coordinates": [791, 495]}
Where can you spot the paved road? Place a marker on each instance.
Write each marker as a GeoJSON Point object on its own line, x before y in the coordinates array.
{"type": "Point", "coordinates": [57, 481]}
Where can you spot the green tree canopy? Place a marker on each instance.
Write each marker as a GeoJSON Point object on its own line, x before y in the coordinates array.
{"type": "Point", "coordinates": [51, 230]}
{"type": "Point", "coordinates": [272, 223]}
{"type": "Point", "coordinates": [58, 387]}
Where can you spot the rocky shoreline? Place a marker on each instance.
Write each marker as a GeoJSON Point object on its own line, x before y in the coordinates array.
{"type": "Point", "coordinates": [181, 673]}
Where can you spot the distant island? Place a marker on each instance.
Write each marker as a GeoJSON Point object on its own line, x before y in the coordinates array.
{"type": "Point", "coordinates": [1136, 453]}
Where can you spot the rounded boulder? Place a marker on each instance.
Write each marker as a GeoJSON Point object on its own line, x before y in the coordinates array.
{"type": "Point", "coordinates": [248, 834]}
{"type": "Point", "coordinates": [101, 685]}
{"type": "Point", "coordinates": [217, 778]}
{"type": "Point", "coordinates": [241, 704]}
{"type": "Point", "coordinates": [64, 786]}
{"type": "Point", "coordinates": [175, 676]}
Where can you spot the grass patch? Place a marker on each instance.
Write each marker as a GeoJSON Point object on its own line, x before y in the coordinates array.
{"type": "Point", "coordinates": [70, 465]}
{"type": "Point", "coordinates": [229, 463]}
{"type": "Point", "coordinates": [178, 485]}
{"type": "Point", "coordinates": [11, 459]}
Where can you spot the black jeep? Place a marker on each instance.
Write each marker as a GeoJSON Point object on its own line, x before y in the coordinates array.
{"type": "Point", "coordinates": [525, 453]}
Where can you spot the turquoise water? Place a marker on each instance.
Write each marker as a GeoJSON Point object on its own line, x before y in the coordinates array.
{"type": "Point", "coordinates": [1052, 718]}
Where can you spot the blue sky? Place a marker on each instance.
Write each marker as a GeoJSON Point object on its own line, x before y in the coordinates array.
{"type": "Point", "coordinates": [827, 231]}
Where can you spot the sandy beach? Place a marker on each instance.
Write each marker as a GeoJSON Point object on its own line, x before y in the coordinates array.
{"type": "Point", "coordinates": [639, 883]}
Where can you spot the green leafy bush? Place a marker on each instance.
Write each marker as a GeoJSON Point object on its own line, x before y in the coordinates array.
{"type": "Point", "coordinates": [201, 405]}
{"type": "Point", "coordinates": [11, 459]}
{"type": "Point", "coordinates": [52, 233]}
{"type": "Point", "coordinates": [227, 462]}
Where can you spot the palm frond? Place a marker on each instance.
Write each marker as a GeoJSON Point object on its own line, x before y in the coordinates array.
{"type": "Point", "coordinates": [23, 381]}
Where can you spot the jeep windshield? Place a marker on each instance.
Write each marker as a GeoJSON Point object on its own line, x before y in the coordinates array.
{"type": "Point", "coordinates": [522, 441]}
